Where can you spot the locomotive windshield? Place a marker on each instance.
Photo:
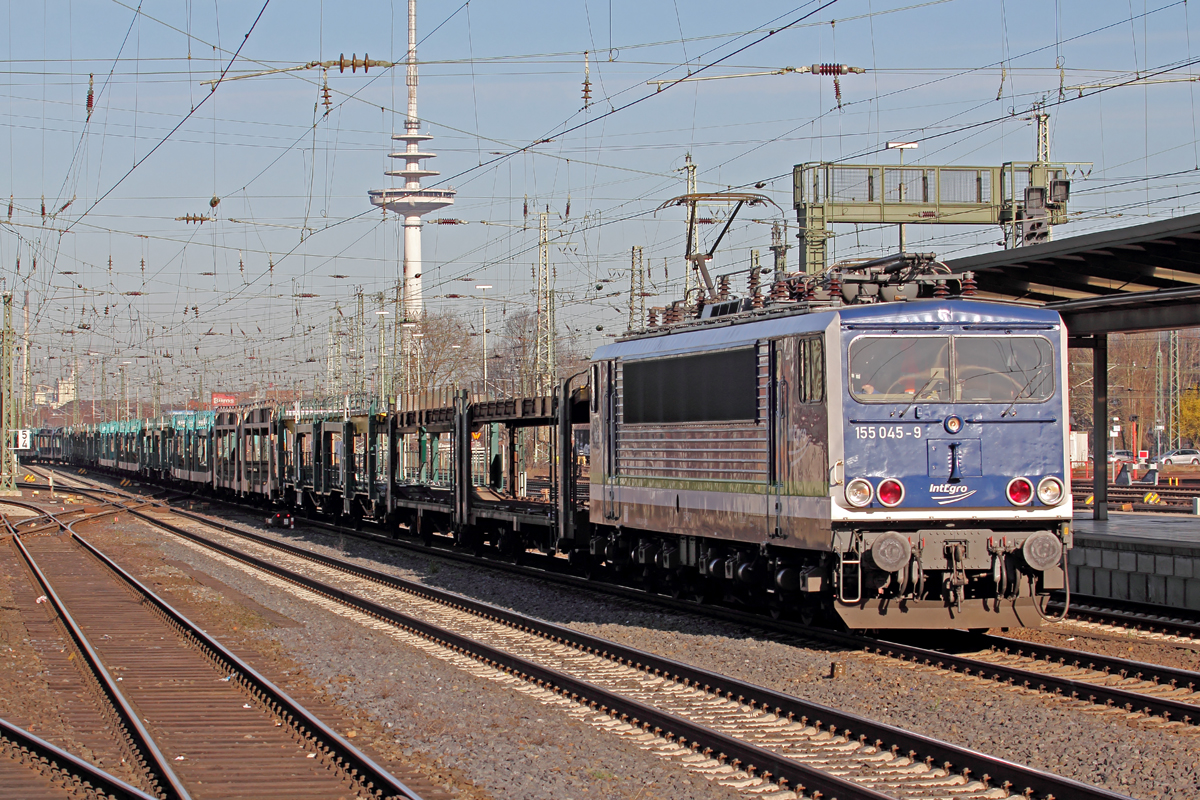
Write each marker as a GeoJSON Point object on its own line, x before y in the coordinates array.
{"type": "Point", "coordinates": [1003, 369]}
{"type": "Point", "coordinates": [895, 368]}
{"type": "Point", "coordinates": [965, 369]}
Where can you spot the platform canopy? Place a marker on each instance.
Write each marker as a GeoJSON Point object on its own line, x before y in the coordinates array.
{"type": "Point", "coordinates": [1140, 278]}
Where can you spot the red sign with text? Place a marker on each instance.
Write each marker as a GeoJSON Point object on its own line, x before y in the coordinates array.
{"type": "Point", "coordinates": [223, 400]}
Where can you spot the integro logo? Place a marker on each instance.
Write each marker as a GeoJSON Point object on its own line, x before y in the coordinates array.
{"type": "Point", "coordinates": [946, 493]}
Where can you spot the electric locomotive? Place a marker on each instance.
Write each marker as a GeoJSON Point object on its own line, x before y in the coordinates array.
{"type": "Point", "coordinates": [899, 464]}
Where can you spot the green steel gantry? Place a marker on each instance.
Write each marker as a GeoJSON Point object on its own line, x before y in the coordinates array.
{"type": "Point", "coordinates": [1025, 197]}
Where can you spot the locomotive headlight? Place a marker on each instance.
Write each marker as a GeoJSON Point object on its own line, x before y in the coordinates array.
{"type": "Point", "coordinates": [1019, 491]}
{"type": "Point", "coordinates": [952, 424]}
{"type": "Point", "coordinates": [1050, 491]}
{"type": "Point", "coordinates": [1042, 550]}
{"type": "Point", "coordinates": [891, 492]}
{"type": "Point", "coordinates": [859, 492]}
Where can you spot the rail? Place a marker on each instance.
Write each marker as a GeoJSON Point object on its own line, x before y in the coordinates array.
{"type": "Point", "coordinates": [349, 758]}
{"type": "Point", "coordinates": [985, 768]}
{"type": "Point", "coordinates": [40, 754]}
{"type": "Point", "coordinates": [151, 760]}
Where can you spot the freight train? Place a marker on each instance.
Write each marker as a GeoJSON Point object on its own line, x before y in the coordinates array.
{"type": "Point", "coordinates": [874, 447]}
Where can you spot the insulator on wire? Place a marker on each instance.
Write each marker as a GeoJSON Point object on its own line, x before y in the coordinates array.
{"type": "Point", "coordinates": [43, 208]}
{"type": "Point", "coordinates": [354, 63]}
{"type": "Point", "coordinates": [10, 206]}
{"type": "Point", "coordinates": [835, 69]}
{"type": "Point", "coordinates": [90, 95]}
{"type": "Point", "coordinates": [837, 91]}
{"type": "Point", "coordinates": [449, 221]}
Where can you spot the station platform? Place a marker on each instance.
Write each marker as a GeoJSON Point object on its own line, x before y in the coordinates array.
{"type": "Point", "coordinates": [1146, 558]}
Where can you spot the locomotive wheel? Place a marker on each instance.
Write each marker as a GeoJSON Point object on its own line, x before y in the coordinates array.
{"type": "Point", "coordinates": [807, 614]}
{"type": "Point", "coordinates": [649, 579]}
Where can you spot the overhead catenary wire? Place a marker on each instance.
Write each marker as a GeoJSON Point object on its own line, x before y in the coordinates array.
{"type": "Point", "coordinates": [617, 205]}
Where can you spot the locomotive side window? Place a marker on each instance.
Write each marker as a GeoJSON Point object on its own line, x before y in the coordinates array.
{"type": "Point", "coordinates": [891, 369]}
{"type": "Point", "coordinates": [811, 353]}
{"type": "Point", "coordinates": [1008, 369]}
{"type": "Point", "coordinates": [708, 387]}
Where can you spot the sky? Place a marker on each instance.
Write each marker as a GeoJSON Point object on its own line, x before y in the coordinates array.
{"type": "Point", "coordinates": [245, 298]}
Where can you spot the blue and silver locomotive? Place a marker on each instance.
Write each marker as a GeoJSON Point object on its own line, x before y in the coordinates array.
{"type": "Point", "coordinates": [901, 464]}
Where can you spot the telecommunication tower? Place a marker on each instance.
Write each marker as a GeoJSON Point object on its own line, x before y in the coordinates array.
{"type": "Point", "coordinates": [411, 201]}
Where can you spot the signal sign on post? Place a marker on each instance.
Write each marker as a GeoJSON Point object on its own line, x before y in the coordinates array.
{"type": "Point", "coordinates": [22, 440]}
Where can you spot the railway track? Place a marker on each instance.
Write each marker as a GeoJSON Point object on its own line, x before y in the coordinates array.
{"type": "Point", "coordinates": [33, 769]}
{"type": "Point", "coordinates": [1135, 687]}
{"type": "Point", "coordinates": [1123, 616]}
{"type": "Point", "coordinates": [1163, 499]}
{"type": "Point", "coordinates": [194, 718]}
{"type": "Point", "coordinates": [746, 734]}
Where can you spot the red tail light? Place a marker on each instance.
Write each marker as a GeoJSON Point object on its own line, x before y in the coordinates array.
{"type": "Point", "coordinates": [1020, 491]}
{"type": "Point", "coordinates": [890, 492]}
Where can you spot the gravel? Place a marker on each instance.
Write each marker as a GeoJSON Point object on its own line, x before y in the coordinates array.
{"type": "Point", "coordinates": [1142, 757]}
{"type": "Point", "coordinates": [1133, 645]}
{"type": "Point", "coordinates": [469, 734]}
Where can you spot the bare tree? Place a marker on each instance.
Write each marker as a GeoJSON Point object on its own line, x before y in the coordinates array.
{"type": "Point", "coordinates": [443, 352]}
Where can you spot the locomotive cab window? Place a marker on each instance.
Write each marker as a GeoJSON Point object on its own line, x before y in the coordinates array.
{"type": "Point", "coordinates": [892, 369]}
{"type": "Point", "coordinates": [1003, 369]}
{"type": "Point", "coordinates": [811, 355]}
{"type": "Point", "coordinates": [959, 369]}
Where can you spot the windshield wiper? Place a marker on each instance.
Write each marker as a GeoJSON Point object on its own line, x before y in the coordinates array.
{"type": "Point", "coordinates": [1021, 394]}
{"type": "Point", "coordinates": [917, 394]}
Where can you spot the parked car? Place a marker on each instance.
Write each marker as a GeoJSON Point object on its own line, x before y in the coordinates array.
{"type": "Point", "coordinates": [1185, 456]}
{"type": "Point", "coordinates": [1115, 456]}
